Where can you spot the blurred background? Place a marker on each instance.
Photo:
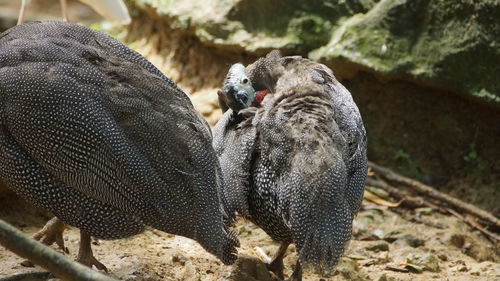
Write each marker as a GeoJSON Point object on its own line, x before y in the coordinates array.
{"type": "Point", "coordinates": [425, 74]}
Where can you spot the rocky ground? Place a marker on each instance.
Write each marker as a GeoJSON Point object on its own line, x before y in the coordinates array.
{"type": "Point", "coordinates": [388, 244]}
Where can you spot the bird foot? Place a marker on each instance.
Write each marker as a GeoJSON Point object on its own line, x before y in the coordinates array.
{"type": "Point", "coordinates": [85, 255]}
{"type": "Point", "coordinates": [90, 260]}
{"type": "Point", "coordinates": [52, 232]}
{"type": "Point", "coordinates": [276, 267]}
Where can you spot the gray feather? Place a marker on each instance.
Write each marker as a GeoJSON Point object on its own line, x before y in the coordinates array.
{"type": "Point", "coordinates": [101, 124]}
{"type": "Point", "coordinates": [308, 166]}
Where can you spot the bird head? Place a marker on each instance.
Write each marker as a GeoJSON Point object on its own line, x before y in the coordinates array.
{"type": "Point", "coordinates": [237, 92]}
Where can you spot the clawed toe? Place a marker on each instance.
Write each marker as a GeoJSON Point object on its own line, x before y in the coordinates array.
{"type": "Point", "coordinates": [92, 261]}
{"type": "Point", "coordinates": [52, 232]}
{"type": "Point", "coordinates": [85, 255]}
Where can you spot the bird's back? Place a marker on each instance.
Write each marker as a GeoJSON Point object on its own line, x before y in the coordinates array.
{"type": "Point", "coordinates": [105, 122]}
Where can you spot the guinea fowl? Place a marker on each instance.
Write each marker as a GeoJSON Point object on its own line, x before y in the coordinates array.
{"type": "Point", "coordinates": [93, 132]}
{"type": "Point", "coordinates": [295, 163]}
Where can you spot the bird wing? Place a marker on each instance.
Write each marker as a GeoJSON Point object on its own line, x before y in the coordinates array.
{"type": "Point", "coordinates": [104, 121]}
{"type": "Point", "coordinates": [235, 143]}
{"type": "Point", "coordinates": [312, 136]}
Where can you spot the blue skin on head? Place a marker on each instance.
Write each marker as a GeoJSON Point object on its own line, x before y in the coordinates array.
{"type": "Point", "coordinates": [237, 92]}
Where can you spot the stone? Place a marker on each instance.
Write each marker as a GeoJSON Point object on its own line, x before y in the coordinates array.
{"type": "Point", "coordinates": [248, 268]}
{"type": "Point", "coordinates": [441, 51]}
{"type": "Point", "coordinates": [413, 241]}
{"type": "Point", "coordinates": [456, 239]}
{"type": "Point", "coordinates": [429, 261]}
{"type": "Point", "coordinates": [377, 246]}
{"type": "Point", "coordinates": [349, 270]}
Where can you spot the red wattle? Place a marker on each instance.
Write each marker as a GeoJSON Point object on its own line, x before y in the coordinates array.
{"type": "Point", "coordinates": [259, 96]}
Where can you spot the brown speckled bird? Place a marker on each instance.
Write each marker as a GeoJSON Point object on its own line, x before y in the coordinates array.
{"type": "Point", "coordinates": [295, 164]}
{"type": "Point", "coordinates": [93, 132]}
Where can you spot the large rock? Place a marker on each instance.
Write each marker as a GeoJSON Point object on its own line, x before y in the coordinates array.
{"type": "Point", "coordinates": [447, 44]}
{"type": "Point", "coordinates": [258, 26]}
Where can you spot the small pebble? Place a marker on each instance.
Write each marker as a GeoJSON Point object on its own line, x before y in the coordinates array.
{"type": "Point", "coordinates": [457, 240]}
{"type": "Point", "coordinates": [378, 246]}
{"type": "Point", "coordinates": [413, 241]}
{"type": "Point", "coordinates": [27, 263]}
{"type": "Point", "coordinates": [428, 261]}
{"type": "Point", "coordinates": [443, 257]}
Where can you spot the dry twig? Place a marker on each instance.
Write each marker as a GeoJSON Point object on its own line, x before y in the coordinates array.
{"type": "Point", "coordinates": [470, 221]}
{"type": "Point", "coordinates": [433, 193]}
{"type": "Point", "coordinates": [409, 200]}
{"type": "Point", "coordinates": [61, 266]}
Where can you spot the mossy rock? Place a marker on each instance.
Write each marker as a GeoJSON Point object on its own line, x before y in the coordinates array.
{"type": "Point", "coordinates": [261, 25]}
{"type": "Point", "coordinates": [448, 44]}
{"type": "Point", "coordinates": [453, 45]}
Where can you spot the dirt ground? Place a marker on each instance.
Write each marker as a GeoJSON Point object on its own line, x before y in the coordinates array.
{"type": "Point", "coordinates": [385, 242]}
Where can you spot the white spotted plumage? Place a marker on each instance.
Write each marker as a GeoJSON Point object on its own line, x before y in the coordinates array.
{"type": "Point", "coordinates": [297, 163]}
{"type": "Point", "coordinates": [92, 131]}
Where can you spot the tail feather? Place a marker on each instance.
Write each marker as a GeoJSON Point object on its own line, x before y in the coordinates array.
{"type": "Point", "coordinates": [230, 253]}
{"type": "Point", "coordinates": [324, 241]}
{"type": "Point", "coordinates": [322, 223]}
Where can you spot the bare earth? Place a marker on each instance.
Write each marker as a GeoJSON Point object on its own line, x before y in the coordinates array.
{"type": "Point", "coordinates": [443, 248]}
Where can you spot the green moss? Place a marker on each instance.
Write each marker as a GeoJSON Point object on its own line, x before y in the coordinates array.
{"type": "Point", "coordinates": [259, 24]}
{"type": "Point", "coordinates": [407, 165]}
{"type": "Point", "coordinates": [310, 30]}
{"type": "Point", "coordinates": [446, 43]}
{"type": "Point", "coordinates": [451, 44]}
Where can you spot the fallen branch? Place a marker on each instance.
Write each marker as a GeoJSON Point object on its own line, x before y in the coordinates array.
{"type": "Point", "coordinates": [31, 276]}
{"type": "Point", "coordinates": [433, 193]}
{"type": "Point", "coordinates": [492, 236]}
{"type": "Point", "coordinates": [410, 201]}
{"type": "Point", "coordinates": [418, 219]}
{"type": "Point", "coordinates": [61, 266]}
{"type": "Point", "coordinates": [379, 201]}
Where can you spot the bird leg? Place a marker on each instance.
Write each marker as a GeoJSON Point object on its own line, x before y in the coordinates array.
{"type": "Point", "coordinates": [52, 232]}
{"type": "Point", "coordinates": [85, 255]}
{"type": "Point", "coordinates": [20, 19]}
{"type": "Point", "coordinates": [276, 266]}
{"type": "Point", "coordinates": [64, 9]}
{"type": "Point", "coordinates": [297, 273]}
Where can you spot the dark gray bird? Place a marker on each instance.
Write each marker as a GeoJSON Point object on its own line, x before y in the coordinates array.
{"type": "Point", "coordinates": [295, 164]}
{"type": "Point", "coordinates": [93, 132]}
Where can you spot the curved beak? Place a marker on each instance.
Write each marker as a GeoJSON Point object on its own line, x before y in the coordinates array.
{"type": "Point", "coordinates": [242, 98]}
{"type": "Point", "coordinates": [231, 97]}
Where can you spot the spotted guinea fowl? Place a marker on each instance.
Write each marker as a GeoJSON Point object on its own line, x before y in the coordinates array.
{"type": "Point", "coordinates": [295, 163]}
{"type": "Point", "coordinates": [93, 132]}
